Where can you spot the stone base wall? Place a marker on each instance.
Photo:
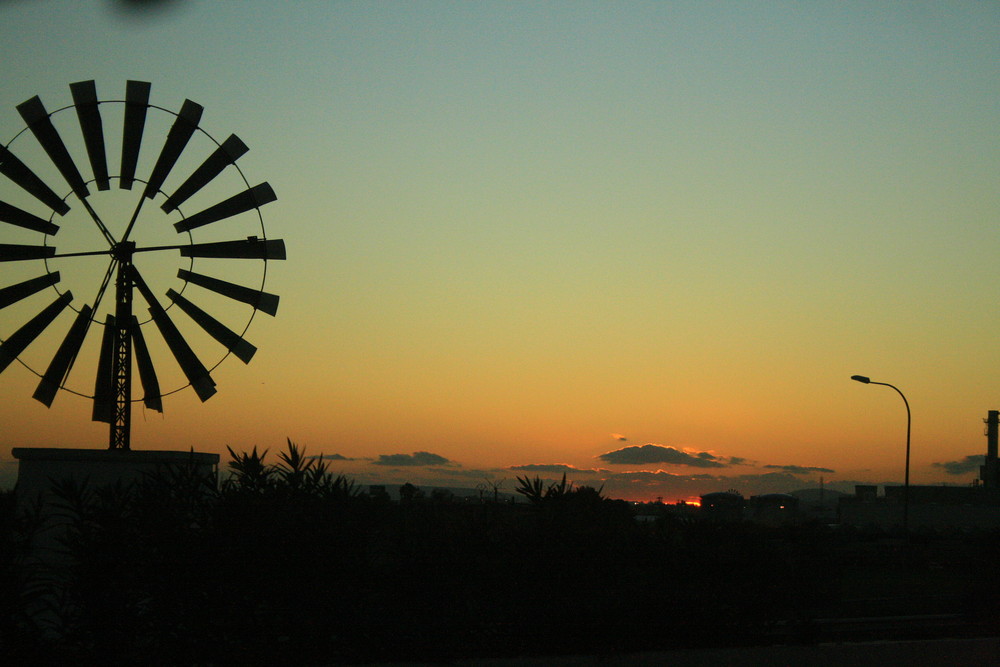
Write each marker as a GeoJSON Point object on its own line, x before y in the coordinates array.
{"type": "Point", "coordinates": [39, 467]}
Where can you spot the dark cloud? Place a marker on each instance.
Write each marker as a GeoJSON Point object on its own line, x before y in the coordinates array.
{"type": "Point", "coordinates": [550, 467]}
{"type": "Point", "coordinates": [647, 454]}
{"type": "Point", "coordinates": [660, 476]}
{"type": "Point", "coordinates": [332, 457]}
{"type": "Point", "coordinates": [738, 461]}
{"type": "Point", "coordinates": [969, 464]}
{"type": "Point", "coordinates": [471, 473]}
{"type": "Point", "coordinates": [619, 436]}
{"type": "Point", "coordinates": [411, 460]}
{"type": "Point", "coordinates": [798, 470]}
{"type": "Point", "coordinates": [648, 484]}
{"type": "Point", "coordinates": [768, 482]}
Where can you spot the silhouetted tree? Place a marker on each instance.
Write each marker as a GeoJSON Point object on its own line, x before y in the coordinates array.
{"type": "Point", "coordinates": [408, 493]}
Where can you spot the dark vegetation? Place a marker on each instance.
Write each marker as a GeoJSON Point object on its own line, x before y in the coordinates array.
{"type": "Point", "coordinates": [291, 563]}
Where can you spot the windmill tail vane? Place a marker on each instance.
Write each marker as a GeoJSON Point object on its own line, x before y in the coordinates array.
{"type": "Point", "coordinates": [30, 205]}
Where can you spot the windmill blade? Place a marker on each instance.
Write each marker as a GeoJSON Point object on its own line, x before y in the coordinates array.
{"type": "Point", "coordinates": [147, 374]}
{"type": "Point", "coordinates": [22, 338]}
{"type": "Point", "coordinates": [136, 105]}
{"type": "Point", "coordinates": [194, 370]}
{"type": "Point", "coordinates": [17, 171]}
{"type": "Point", "coordinates": [63, 360]}
{"type": "Point", "coordinates": [225, 155]}
{"type": "Point", "coordinates": [260, 300]}
{"type": "Point", "coordinates": [15, 253]}
{"type": "Point", "coordinates": [232, 341]}
{"type": "Point", "coordinates": [15, 293]}
{"type": "Point", "coordinates": [15, 216]}
{"type": "Point", "coordinates": [104, 394]}
{"type": "Point", "coordinates": [34, 114]}
{"type": "Point", "coordinates": [248, 199]}
{"type": "Point", "coordinates": [85, 99]}
{"type": "Point", "coordinates": [252, 248]}
{"type": "Point", "coordinates": [180, 133]}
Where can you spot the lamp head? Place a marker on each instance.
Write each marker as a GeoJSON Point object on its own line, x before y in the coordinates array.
{"type": "Point", "coordinates": [861, 378]}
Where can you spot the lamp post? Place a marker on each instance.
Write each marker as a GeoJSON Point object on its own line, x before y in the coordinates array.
{"type": "Point", "coordinates": [906, 479]}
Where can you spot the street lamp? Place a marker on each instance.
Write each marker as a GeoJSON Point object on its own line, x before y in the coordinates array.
{"type": "Point", "coordinates": [906, 480]}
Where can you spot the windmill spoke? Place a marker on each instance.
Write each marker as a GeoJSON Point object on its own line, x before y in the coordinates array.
{"type": "Point", "coordinates": [23, 337]}
{"type": "Point", "coordinates": [85, 99]}
{"type": "Point", "coordinates": [251, 248]}
{"type": "Point", "coordinates": [194, 370]}
{"type": "Point", "coordinates": [62, 362]}
{"type": "Point", "coordinates": [87, 253]}
{"type": "Point", "coordinates": [15, 216]}
{"type": "Point", "coordinates": [135, 216]}
{"type": "Point", "coordinates": [17, 171]}
{"type": "Point", "coordinates": [104, 283]}
{"type": "Point", "coordinates": [260, 300]}
{"type": "Point", "coordinates": [226, 154]}
{"type": "Point", "coordinates": [34, 114]}
{"type": "Point", "coordinates": [248, 199]}
{"type": "Point", "coordinates": [15, 293]}
{"type": "Point", "coordinates": [147, 374]}
{"type": "Point", "coordinates": [15, 253]}
{"type": "Point", "coordinates": [216, 329]}
{"type": "Point", "coordinates": [100, 223]}
{"type": "Point", "coordinates": [136, 105]}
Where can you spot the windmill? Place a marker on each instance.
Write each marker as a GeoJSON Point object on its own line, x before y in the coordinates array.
{"type": "Point", "coordinates": [175, 215]}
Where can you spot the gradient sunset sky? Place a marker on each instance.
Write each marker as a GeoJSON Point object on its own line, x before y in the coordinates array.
{"type": "Point", "coordinates": [523, 236]}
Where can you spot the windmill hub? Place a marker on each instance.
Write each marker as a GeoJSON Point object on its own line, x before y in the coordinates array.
{"type": "Point", "coordinates": [123, 251]}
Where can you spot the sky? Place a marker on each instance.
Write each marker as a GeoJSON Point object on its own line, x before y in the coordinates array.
{"type": "Point", "coordinates": [643, 243]}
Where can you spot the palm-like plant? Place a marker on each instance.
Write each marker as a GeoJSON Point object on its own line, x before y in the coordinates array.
{"type": "Point", "coordinates": [536, 491]}
{"type": "Point", "coordinates": [532, 489]}
{"type": "Point", "coordinates": [560, 489]}
{"type": "Point", "coordinates": [295, 467]}
{"type": "Point", "coordinates": [249, 471]}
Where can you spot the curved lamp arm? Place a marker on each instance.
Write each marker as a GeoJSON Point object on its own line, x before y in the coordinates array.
{"type": "Point", "coordinates": [906, 481]}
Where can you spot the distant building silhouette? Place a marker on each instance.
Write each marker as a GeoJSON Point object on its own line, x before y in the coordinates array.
{"type": "Point", "coordinates": [867, 492]}
{"type": "Point", "coordinates": [774, 508]}
{"type": "Point", "coordinates": [722, 506]}
{"type": "Point", "coordinates": [989, 473]}
{"type": "Point", "coordinates": [975, 506]}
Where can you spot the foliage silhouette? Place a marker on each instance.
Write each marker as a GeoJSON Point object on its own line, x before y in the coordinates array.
{"type": "Point", "coordinates": [536, 491]}
{"type": "Point", "coordinates": [290, 563]}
